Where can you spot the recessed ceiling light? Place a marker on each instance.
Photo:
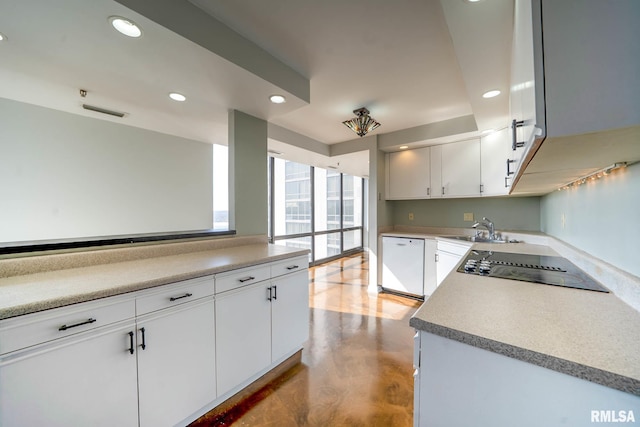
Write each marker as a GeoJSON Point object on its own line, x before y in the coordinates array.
{"type": "Point", "coordinates": [125, 26]}
{"type": "Point", "coordinates": [177, 96]}
{"type": "Point", "coordinates": [472, 1]}
{"type": "Point", "coordinates": [491, 93]}
{"type": "Point", "coordinates": [277, 99]}
{"type": "Point", "coordinates": [403, 147]}
{"type": "Point", "coordinates": [2, 37]}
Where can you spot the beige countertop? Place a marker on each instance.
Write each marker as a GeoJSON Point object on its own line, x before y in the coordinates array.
{"type": "Point", "coordinates": [589, 335]}
{"type": "Point", "coordinates": [29, 293]}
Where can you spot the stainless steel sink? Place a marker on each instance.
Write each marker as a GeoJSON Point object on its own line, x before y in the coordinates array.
{"type": "Point", "coordinates": [476, 239]}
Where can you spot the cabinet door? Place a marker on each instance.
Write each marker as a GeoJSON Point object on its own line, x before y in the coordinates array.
{"type": "Point", "coordinates": [461, 168]}
{"type": "Point", "coordinates": [430, 275]}
{"type": "Point", "coordinates": [88, 379]}
{"type": "Point", "coordinates": [446, 263]}
{"type": "Point", "coordinates": [494, 154]}
{"type": "Point", "coordinates": [436, 171]}
{"type": "Point", "coordinates": [289, 314]}
{"type": "Point", "coordinates": [243, 335]}
{"type": "Point", "coordinates": [522, 97]}
{"type": "Point", "coordinates": [409, 175]}
{"type": "Point", "coordinates": [176, 362]}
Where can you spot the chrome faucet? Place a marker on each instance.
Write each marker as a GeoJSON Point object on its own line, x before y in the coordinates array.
{"type": "Point", "coordinates": [486, 223]}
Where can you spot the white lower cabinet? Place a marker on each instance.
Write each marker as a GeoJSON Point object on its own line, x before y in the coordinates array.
{"type": "Point", "coordinates": [88, 379]}
{"type": "Point", "coordinates": [257, 325]}
{"type": "Point", "coordinates": [459, 385]}
{"type": "Point", "coordinates": [156, 357]}
{"type": "Point", "coordinates": [243, 334]}
{"type": "Point", "coordinates": [289, 314]}
{"type": "Point", "coordinates": [176, 362]}
{"type": "Point", "coordinates": [448, 256]}
{"type": "Point", "coordinates": [430, 268]}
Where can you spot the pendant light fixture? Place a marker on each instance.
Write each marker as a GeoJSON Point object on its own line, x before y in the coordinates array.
{"type": "Point", "coordinates": [363, 123]}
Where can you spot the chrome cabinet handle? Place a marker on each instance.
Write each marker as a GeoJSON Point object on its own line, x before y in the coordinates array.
{"type": "Point", "coordinates": [509, 171]}
{"type": "Point", "coordinates": [246, 279]}
{"type": "Point", "coordinates": [86, 322]}
{"type": "Point", "coordinates": [514, 125]}
{"type": "Point", "coordinates": [187, 295]}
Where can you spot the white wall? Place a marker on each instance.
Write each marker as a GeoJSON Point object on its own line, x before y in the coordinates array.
{"type": "Point", "coordinates": [68, 176]}
{"type": "Point", "coordinates": [601, 218]}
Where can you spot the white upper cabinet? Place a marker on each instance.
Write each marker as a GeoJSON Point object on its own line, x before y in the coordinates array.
{"type": "Point", "coordinates": [408, 174]}
{"type": "Point", "coordinates": [461, 169]}
{"type": "Point", "coordinates": [574, 71]}
{"type": "Point", "coordinates": [591, 64]}
{"type": "Point", "coordinates": [523, 83]}
{"type": "Point", "coordinates": [436, 171]}
{"type": "Point", "coordinates": [495, 163]}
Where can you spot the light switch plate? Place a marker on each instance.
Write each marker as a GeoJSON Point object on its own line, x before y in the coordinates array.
{"type": "Point", "coordinates": [468, 216]}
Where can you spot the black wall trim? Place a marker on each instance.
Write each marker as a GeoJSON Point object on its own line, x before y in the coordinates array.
{"type": "Point", "coordinates": [54, 245]}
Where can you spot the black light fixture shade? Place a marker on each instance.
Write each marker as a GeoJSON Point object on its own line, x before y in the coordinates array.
{"type": "Point", "coordinates": [363, 123]}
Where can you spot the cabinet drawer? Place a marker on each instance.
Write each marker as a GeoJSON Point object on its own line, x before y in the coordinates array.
{"type": "Point", "coordinates": [289, 266]}
{"type": "Point", "coordinates": [242, 277]}
{"type": "Point", "coordinates": [174, 294]}
{"type": "Point", "coordinates": [453, 248]}
{"type": "Point", "coordinates": [31, 329]}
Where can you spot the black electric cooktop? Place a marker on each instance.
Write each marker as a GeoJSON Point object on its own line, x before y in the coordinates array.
{"type": "Point", "coordinates": [548, 270]}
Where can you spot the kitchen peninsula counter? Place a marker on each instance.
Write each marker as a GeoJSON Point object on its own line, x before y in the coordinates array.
{"type": "Point", "coordinates": [589, 335]}
{"type": "Point", "coordinates": [35, 290]}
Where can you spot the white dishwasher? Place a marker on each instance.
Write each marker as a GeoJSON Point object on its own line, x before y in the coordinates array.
{"type": "Point", "coordinates": [403, 265]}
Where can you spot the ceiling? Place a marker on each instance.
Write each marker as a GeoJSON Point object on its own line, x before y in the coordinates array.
{"type": "Point", "coordinates": [412, 63]}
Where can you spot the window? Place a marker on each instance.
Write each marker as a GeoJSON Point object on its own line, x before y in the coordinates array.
{"type": "Point", "coordinates": [220, 187]}
{"type": "Point", "coordinates": [314, 208]}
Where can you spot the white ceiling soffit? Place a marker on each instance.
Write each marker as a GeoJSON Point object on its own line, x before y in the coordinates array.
{"type": "Point", "coordinates": [414, 70]}
{"type": "Point", "coordinates": [482, 35]}
{"type": "Point", "coordinates": [396, 59]}
{"type": "Point", "coordinates": [53, 49]}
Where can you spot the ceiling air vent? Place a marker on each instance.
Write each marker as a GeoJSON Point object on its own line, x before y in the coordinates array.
{"type": "Point", "coordinates": [103, 110]}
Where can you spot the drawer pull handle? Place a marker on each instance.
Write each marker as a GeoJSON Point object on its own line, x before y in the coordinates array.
{"type": "Point", "coordinates": [144, 345]}
{"type": "Point", "coordinates": [187, 295]}
{"type": "Point", "coordinates": [246, 279]}
{"type": "Point", "coordinates": [86, 322]}
{"type": "Point", "coordinates": [270, 294]}
{"type": "Point", "coordinates": [292, 267]}
{"type": "Point", "coordinates": [275, 292]}
{"type": "Point", "coordinates": [130, 342]}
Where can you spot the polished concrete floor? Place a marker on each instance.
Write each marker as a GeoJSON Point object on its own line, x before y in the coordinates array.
{"type": "Point", "coordinates": [356, 369]}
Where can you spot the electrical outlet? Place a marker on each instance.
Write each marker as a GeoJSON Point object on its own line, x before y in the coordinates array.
{"type": "Point", "coordinates": [468, 216]}
{"type": "Point", "coordinates": [410, 216]}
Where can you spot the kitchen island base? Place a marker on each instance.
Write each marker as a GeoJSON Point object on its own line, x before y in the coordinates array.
{"type": "Point", "coordinates": [461, 385]}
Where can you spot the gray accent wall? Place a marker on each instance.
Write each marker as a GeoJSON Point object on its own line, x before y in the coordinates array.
{"type": "Point", "coordinates": [601, 218]}
{"type": "Point", "coordinates": [248, 186]}
{"type": "Point", "coordinates": [512, 213]}
{"type": "Point", "coordinates": [65, 176]}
